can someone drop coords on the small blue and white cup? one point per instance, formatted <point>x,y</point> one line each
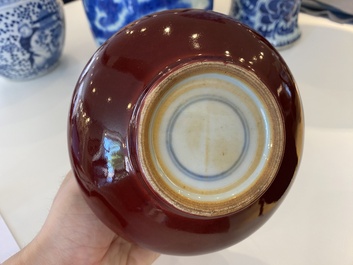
<point>106,17</point>
<point>32,37</point>
<point>276,20</point>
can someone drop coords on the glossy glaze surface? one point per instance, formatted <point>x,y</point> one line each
<point>103,127</point>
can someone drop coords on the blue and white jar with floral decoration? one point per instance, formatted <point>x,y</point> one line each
<point>106,17</point>
<point>32,37</point>
<point>276,20</point>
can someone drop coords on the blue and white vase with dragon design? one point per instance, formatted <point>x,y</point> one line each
<point>32,36</point>
<point>276,20</point>
<point>106,17</point>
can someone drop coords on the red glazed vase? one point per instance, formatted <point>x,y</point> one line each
<point>185,132</point>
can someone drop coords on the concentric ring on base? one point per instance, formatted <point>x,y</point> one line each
<point>210,138</point>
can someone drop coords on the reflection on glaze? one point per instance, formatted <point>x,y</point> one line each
<point>110,161</point>
<point>194,39</point>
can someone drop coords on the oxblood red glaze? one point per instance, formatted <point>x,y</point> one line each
<point>103,117</point>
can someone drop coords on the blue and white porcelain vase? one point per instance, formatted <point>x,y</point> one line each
<point>32,36</point>
<point>276,20</point>
<point>106,17</point>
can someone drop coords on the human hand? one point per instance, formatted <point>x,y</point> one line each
<point>72,234</point>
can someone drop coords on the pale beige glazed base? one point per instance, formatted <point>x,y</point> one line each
<point>210,138</point>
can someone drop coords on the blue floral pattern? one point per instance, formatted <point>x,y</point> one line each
<point>276,20</point>
<point>106,17</point>
<point>31,37</point>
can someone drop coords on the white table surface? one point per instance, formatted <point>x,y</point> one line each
<point>314,225</point>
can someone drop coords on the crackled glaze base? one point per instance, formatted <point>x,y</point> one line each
<point>211,138</point>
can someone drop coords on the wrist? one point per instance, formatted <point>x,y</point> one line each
<point>26,256</point>
<point>37,252</point>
